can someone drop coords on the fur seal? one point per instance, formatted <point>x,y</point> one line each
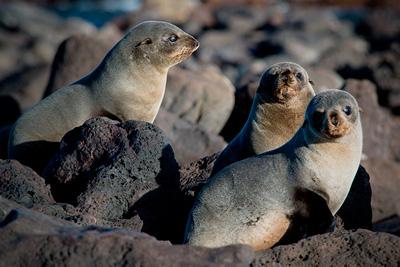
<point>128,84</point>
<point>284,194</point>
<point>277,112</point>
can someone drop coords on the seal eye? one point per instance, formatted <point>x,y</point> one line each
<point>173,38</point>
<point>347,110</point>
<point>299,76</point>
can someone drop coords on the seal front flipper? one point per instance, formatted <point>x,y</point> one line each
<point>311,217</point>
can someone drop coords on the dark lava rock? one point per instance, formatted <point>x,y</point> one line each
<point>30,238</point>
<point>22,185</point>
<point>360,248</point>
<point>9,113</point>
<point>9,110</point>
<point>114,171</point>
<point>356,211</point>
<point>4,136</point>
<point>193,176</point>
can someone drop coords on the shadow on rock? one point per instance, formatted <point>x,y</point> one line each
<point>116,171</point>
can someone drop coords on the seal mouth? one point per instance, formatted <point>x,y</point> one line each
<point>285,87</point>
<point>188,49</point>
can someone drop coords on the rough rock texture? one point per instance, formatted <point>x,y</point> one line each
<point>189,141</point>
<point>22,185</point>
<point>385,183</point>
<point>30,238</point>
<point>360,248</point>
<point>7,205</point>
<point>375,120</point>
<point>204,97</point>
<point>390,225</point>
<point>196,173</point>
<point>115,171</point>
<point>241,41</point>
<point>193,176</point>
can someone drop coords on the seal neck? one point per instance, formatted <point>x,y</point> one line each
<point>337,160</point>
<point>270,125</point>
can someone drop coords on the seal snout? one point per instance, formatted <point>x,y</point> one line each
<point>192,42</point>
<point>335,124</point>
<point>196,44</point>
<point>286,86</point>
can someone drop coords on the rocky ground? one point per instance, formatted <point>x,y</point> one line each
<point>118,193</point>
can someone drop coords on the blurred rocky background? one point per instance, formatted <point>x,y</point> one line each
<point>149,185</point>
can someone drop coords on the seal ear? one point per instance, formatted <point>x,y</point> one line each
<point>146,41</point>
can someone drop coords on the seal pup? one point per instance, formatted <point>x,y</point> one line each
<point>128,84</point>
<point>284,194</point>
<point>277,112</point>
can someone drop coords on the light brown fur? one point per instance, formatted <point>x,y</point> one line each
<point>276,114</point>
<point>279,196</point>
<point>129,84</point>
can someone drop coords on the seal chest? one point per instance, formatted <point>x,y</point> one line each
<point>277,112</point>
<point>128,84</point>
<point>279,196</point>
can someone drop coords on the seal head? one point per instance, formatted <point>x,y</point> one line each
<point>333,118</point>
<point>163,48</point>
<point>282,82</point>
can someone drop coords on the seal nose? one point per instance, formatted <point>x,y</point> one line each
<point>287,78</point>
<point>333,118</point>
<point>196,43</point>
